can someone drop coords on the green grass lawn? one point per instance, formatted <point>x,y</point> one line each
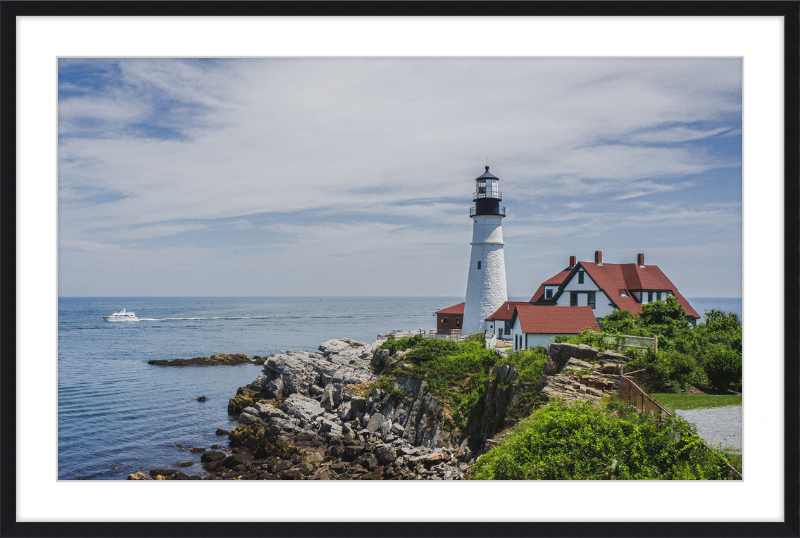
<point>696,401</point>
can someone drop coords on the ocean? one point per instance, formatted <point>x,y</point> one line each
<point>118,415</point>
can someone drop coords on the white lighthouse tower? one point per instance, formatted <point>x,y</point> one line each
<point>486,283</point>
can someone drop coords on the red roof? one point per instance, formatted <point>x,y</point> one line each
<point>506,310</point>
<point>539,295</point>
<point>559,278</point>
<point>614,278</point>
<point>556,280</point>
<point>541,319</point>
<point>455,309</point>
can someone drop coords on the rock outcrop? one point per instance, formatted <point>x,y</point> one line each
<point>219,359</point>
<point>497,399</point>
<point>579,372</point>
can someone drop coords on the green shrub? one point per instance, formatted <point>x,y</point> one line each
<point>667,371</point>
<point>588,337</point>
<point>724,369</point>
<point>683,349</point>
<point>400,345</point>
<point>529,364</point>
<point>456,372</point>
<point>584,442</point>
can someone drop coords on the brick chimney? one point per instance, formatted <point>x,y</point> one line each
<point>598,257</point>
<point>573,261</point>
<point>640,260</point>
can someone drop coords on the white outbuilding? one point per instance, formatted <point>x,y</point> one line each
<point>537,325</point>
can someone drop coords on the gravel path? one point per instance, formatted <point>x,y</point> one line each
<point>719,424</point>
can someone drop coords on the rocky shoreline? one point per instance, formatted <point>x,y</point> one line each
<point>317,416</point>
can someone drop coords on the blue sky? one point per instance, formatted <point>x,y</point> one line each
<point>355,176</point>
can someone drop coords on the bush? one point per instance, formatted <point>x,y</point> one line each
<point>683,349</point>
<point>584,442</point>
<point>456,372</point>
<point>724,369</point>
<point>400,345</point>
<point>529,364</point>
<point>667,371</point>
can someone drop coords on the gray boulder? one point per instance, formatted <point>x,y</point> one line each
<point>358,404</point>
<point>302,407</point>
<point>385,454</point>
<point>331,396</point>
<point>263,414</point>
<point>328,426</point>
<point>609,355</point>
<point>385,428</point>
<point>274,388</point>
<point>379,358</point>
<point>375,422</point>
<point>345,411</point>
<point>397,429</point>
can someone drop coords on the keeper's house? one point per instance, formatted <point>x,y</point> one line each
<point>538,325</point>
<point>605,287</point>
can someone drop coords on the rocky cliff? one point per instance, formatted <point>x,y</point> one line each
<point>322,415</point>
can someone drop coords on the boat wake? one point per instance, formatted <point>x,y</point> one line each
<point>209,318</point>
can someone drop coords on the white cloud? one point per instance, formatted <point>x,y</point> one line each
<point>366,137</point>
<point>645,188</point>
<point>675,134</point>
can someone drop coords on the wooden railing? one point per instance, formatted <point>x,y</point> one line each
<point>635,342</point>
<point>634,396</point>
<point>452,334</point>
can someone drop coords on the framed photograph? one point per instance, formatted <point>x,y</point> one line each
<point>174,164</point>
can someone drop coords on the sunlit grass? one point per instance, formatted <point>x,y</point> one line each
<point>696,401</point>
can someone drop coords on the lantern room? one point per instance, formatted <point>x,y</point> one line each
<point>487,196</point>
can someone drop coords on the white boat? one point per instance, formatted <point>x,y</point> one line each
<point>121,316</point>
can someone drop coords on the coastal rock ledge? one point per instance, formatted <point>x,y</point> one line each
<point>314,416</point>
<point>219,359</point>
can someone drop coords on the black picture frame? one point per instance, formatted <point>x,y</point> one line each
<point>789,10</point>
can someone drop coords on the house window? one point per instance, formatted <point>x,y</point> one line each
<point>573,298</point>
<point>479,264</point>
<point>458,322</point>
<point>649,296</point>
<point>580,277</point>
<point>591,299</point>
<point>658,296</point>
<point>444,320</point>
<point>548,294</point>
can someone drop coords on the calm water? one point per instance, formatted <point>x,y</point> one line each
<point>118,414</point>
<point>119,411</point>
<point>726,304</point>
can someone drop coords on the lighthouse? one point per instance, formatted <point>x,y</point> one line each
<point>486,282</point>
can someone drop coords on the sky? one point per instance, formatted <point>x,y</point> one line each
<point>354,177</point>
